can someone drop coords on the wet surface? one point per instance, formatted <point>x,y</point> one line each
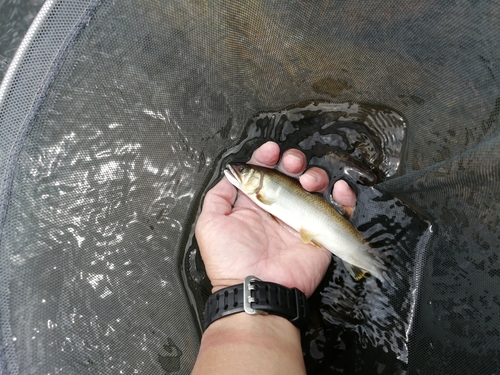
<point>362,145</point>
<point>15,18</point>
<point>130,131</point>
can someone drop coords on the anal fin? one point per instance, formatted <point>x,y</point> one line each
<point>356,272</point>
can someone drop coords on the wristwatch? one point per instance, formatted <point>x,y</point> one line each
<point>255,296</point>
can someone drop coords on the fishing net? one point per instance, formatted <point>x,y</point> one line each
<point>116,117</point>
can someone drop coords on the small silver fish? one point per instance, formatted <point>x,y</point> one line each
<point>309,214</point>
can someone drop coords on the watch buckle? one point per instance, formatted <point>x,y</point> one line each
<point>248,299</point>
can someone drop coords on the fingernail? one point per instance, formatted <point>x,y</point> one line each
<point>309,178</point>
<point>295,156</point>
<point>315,176</point>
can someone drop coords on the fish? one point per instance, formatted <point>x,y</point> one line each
<point>315,219</point>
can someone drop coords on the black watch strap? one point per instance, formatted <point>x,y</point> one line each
<point>255,296</point>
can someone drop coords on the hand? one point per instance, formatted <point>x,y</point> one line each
<point>245,240</point>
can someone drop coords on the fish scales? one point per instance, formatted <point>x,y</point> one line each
<point>309,214</point>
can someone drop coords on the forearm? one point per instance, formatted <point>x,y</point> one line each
<point>250,344</point>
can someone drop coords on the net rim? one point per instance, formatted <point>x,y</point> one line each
<point>21,115</point>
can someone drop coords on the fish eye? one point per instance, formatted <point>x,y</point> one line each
<point>243,169</point>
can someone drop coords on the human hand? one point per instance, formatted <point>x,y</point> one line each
<point>241,240</point>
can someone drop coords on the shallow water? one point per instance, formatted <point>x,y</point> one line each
<point>167,78</point>
<point>363,145</point>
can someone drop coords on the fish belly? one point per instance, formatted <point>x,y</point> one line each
<point>328,232</point>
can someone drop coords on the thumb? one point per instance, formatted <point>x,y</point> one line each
<point>219,200</point>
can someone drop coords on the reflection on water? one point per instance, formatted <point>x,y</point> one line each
<point>96,226</point>
<point>351,320</point>
<point>155,90</point>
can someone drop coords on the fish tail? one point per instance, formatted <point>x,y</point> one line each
<point>380,262</point>
<point>383,260</point>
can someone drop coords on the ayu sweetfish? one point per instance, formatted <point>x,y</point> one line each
<point>316,220</point>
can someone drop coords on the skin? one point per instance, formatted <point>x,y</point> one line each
<point>236,239</point>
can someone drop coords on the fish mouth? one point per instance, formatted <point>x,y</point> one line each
<point>232,175</point>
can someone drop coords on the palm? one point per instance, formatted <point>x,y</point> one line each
<point>244,240</point>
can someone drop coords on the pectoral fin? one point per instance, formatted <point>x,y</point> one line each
<point>308,237</point>
<point>348,211</point>
<point>262,199</point>
<point>345,211</point>
<point>356,272</point>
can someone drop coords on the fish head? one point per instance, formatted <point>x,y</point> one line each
<point>245,177</point>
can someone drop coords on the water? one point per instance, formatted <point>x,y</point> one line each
<point>15,18</point>
<point>356,327</point>
<point>180,80</point>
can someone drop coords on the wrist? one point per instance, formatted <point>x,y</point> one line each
<point>244,326</point>
<point>255,343</point>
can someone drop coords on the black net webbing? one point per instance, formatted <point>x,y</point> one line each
<point>114,116</point>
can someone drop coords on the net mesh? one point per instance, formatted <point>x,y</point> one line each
<point>114,116</point>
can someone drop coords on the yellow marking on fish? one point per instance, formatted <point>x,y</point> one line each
<point>348,211</point>
<point>262,199</point>
<point>356,272</point>
<point>317,244</point>
<point>306,236</point>
<point>359,275</point>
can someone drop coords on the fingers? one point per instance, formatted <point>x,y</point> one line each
<point>343,194</point>
<point>266,155</point>
<point>314,179</point>
<point>293,163</point>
